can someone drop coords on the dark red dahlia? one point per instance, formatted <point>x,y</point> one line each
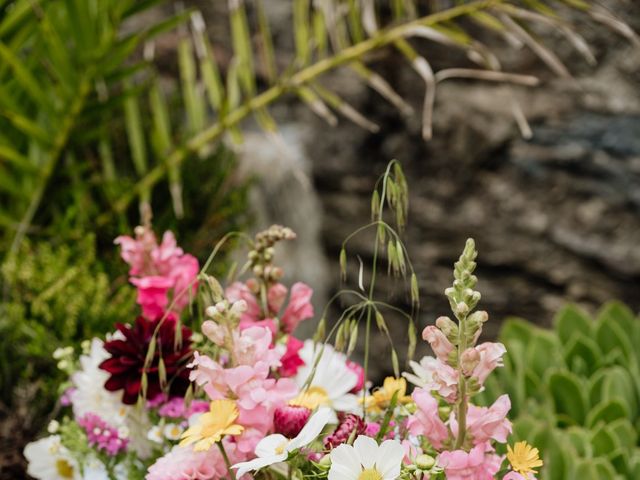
<point>128,355</point>
<point>349,423</point>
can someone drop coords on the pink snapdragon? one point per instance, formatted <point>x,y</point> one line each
<point>487,423</point>
<point>101,435</point>
<point>440,345</point>
<point>426,420</point>
<point>158,270</point>
<point>291,361</point>
<point>480,463</point>
<point>299,307</point>
<point>490,357</point>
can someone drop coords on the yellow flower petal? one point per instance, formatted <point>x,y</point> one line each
<point>213,425</point>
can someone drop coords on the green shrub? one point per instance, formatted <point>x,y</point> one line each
<point>575,391</point>
<point>55,295</point>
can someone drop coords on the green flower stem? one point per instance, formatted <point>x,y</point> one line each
<point>462,385</point>
<point>232,474</point>
<point>345,56</point>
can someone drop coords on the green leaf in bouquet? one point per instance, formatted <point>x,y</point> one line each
<point>558,458</point>
<point>607,412</point>
<point>568,395</point>
<point>582,355</point>
<point>571,320</point>
<point>620,314</point>
<point>619,461</point>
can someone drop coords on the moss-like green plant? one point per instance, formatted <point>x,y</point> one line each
<point>576,391</point>
<point>55,295</point>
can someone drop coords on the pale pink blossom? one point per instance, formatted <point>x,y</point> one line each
<point>299,307</point>
<point>490,358</point>
<point>426,420</point>
<point>485,424</point>
<point>440,345</point>
<point>445,381</point>
<point>478,464</point>
<point>182,463</point>
<point>214,332</point>
<point>239,291</point>
<point>276,296</point>
<point>411,451</point>
<point>517,476</point>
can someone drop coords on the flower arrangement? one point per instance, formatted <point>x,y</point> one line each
<point>246,399</point>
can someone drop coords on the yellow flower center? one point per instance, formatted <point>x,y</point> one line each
<point>65,470</point>
<point>523,458</point>
<point>213,425</point>
<point>313,398</point>
<point>281,448</point>
<point>370,474</point>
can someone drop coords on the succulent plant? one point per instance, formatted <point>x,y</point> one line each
<point>575,391</point>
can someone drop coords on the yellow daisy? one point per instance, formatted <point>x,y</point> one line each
<point>524,458</point>
<point>381,398</point>
<point>213,425</point>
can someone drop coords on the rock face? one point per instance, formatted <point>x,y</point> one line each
<point>556,218</point>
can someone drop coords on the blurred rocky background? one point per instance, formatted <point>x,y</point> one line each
<point>555,217</point>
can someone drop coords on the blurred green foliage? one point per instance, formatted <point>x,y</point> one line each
<point>575,391</point>
<point>59,295</point>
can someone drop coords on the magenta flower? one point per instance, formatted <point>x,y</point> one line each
<point>102,436</point>
<point>291,360</point>
<point>288,420</point>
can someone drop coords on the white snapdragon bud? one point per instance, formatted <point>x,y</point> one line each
<point>239,307</point>
<point>53,426</point>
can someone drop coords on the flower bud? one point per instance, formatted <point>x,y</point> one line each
<point>469,360</point>
<point>53,426</point>
<point>462,309</point>
<point>239,307</point>
<point>449,328</point>
<point>425,462</point>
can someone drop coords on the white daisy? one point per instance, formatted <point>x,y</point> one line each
<point>172,431</point>
<point>276,448</point>
<point>50,460</point>
<point>332,381</point>
<point>365,460</point>
<point>90,396</point>
<point>423,371</point>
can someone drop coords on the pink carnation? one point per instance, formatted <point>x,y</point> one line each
<point>182,463</point>
<point>478,464</point>
<point>299,307</point>
<point>440,345</point>
<point>426,420</point>
<point>288,420</point>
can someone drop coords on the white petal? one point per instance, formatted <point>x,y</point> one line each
<point>345,464</point>
<point>347,403</point>
<point>267,447</point>
<point>390,455</point>
<point>312,429</point>
<point>258,463</point>
<point>367,450</point>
